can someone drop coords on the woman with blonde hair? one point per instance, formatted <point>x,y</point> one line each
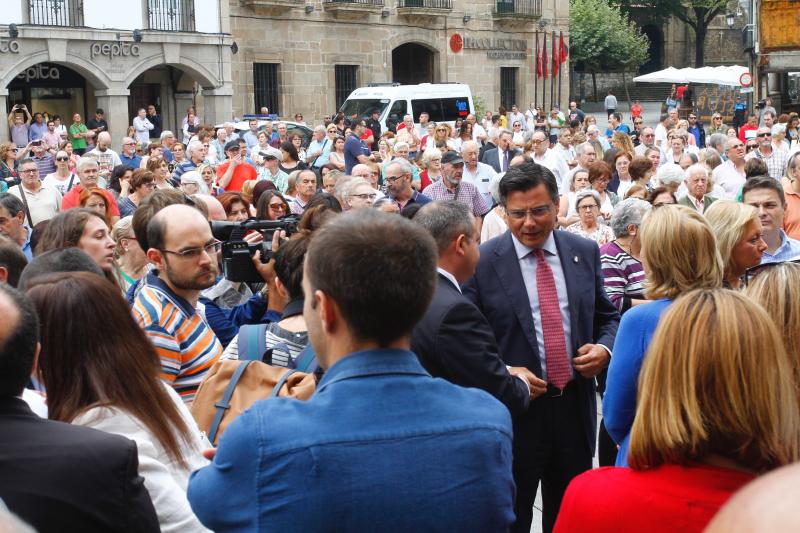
<point>666,235</point>
<point>739,238</point>
<point>622,142</point>
<point>717,406</point>
<point>776,286</point>
<point>432,163</point>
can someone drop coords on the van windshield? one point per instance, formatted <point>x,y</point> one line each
<point>363,107</point>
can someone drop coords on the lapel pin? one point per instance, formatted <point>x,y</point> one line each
<point>576,259</point>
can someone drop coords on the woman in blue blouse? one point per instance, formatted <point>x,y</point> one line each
<point>679,253</point>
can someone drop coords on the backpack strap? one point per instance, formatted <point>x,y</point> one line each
<point>281,382</point>
<point>251,342</point>
<point>306,360</point>
<point>225,403</point>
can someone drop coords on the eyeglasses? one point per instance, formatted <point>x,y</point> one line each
<point>441,129</point>
<point>638,122</point>
<point>536,212</point>
<point>277,207</point>
<point>588,207</point>
<point>30,171</point>
<point>62,158</point>
<point>365,196</point>
<point>211,248</point>
<point>332,131</point>
<point>764,135</point>
<point>752,272</point>
<point>392,179</point>
<point>751,147</point>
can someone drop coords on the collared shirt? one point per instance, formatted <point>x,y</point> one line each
<point>297,205</point>
<point>46,164</point>
<point>700,204</point>
<point>465,193</point>
<point>186,345</point>
<point>251,139</point>
<point>416,197</point>
<point>729,178</point>
<point>776,161</point>
<point>44,203</point>
<point>528,266</point>
<point>134,162</point>
<point>26,246</point>
<point>482,179</point>
<point>791,218</point>
<point>554,159</point>
<point>324,147</point>
<point>36,131</point>
<point>789,249</point>
<point>449,276</point>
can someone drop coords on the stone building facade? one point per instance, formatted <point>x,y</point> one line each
<point>65,57</point>
<point>305,57</point>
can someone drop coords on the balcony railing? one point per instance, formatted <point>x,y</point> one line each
<point>354,3</point>
<point>518,8</point>
<point>171,15</point>
<point>426,4</point>
<point>56,12</point>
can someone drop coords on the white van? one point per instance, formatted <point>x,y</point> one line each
<point>444,102</point>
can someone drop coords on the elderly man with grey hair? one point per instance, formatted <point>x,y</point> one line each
<point>477,173</point>
<point>620,258</point>
<point>195,155</point>
<point>717,142</point>
<point>88,178</point>
<point>586,154</point>
<point>398,175</point>
<point>696,181</point>
<point>670,176</point>
<point>106,158</point>
<point>319,145</point>
<point>357,193</point>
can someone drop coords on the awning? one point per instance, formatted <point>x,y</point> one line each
<point>725,75</point>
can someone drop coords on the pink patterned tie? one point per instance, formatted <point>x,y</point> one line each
<point>555,346</point>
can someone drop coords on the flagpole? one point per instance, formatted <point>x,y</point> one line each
<point>560,59</point>
<point>536,71</point>
<point>552,59</point>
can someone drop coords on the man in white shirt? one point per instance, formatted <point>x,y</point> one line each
<point>661,130</point>
<point>551,158</point>
<point>479,134</point>
<point>530,116</point>
<point>586,155</point>
<point>646,140</point>
<point>565,150</point>
<point>730,174</point>
<point>42,201</point>
<point>106,158</point>
<point>477,173</point>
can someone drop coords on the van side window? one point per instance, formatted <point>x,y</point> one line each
<point>441,109</point>
<point>398,110</point>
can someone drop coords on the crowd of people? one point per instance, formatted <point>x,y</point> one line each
<point>459,295</point>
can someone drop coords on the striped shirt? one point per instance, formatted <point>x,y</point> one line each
<point>624,275</point>
<point>186,345</point>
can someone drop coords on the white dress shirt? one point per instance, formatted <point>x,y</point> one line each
<point>528,266</point>
<point>729,178</point>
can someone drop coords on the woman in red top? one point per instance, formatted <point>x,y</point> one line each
<point>717,406</point>
<point>432,163</point>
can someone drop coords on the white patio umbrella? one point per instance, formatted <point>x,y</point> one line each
<point>723,75</point>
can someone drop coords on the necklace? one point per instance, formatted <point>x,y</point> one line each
<point>626,249</point>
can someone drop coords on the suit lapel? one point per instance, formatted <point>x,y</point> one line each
<point>506,265</point>
<point>567,254</point>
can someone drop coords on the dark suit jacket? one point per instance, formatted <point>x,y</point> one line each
<point>499,292</point>
<point>454,341</point>
<point>490,157</point>
<point>59,477</point>
<point>707,201</point>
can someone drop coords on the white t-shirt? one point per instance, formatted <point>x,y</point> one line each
<point>660,135</point>
<point>52,180</point>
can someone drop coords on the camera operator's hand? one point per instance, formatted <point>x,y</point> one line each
<point>267,270</point>
<point>253,237</point>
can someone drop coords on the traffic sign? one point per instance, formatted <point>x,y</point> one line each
<point>746,79</point>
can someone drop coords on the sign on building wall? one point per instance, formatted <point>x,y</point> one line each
<point>779,25</point>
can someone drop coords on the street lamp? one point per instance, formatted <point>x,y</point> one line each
<point>730,19</point>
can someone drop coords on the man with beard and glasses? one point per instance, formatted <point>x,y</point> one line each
<point>452,187</point>
<point>185,259</point>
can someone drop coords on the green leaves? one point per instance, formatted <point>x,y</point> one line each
<point>603,38</point>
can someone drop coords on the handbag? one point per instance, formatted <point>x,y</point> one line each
<point>232,386</point>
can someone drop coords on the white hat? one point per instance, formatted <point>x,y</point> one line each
<point>192,176</point>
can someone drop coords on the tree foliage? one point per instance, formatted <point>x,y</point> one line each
<point>603,38</point>
<point>697,14</point>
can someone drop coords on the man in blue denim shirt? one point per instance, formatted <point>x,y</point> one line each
<point>381,446</point>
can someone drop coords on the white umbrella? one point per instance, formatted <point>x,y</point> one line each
<point>668,75</point>
<point>724,75</point>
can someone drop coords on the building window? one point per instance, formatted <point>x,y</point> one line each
<point>346,82</point>
<point>508,86</point>
<point>171,15</point>
<point>56,12</point>
<point>265,86</point>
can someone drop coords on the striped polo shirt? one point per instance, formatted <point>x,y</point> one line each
<point>186,345</point>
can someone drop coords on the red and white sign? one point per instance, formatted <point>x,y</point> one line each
<point>746,79</point>
<point>456,43</point>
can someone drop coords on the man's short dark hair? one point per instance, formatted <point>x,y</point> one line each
<point>764,182</point>
<point>18,345</point>
<point>526,176</point>
<point>617,117</point>
<point>445,221</point>
<point>12,259</point>
<point>380,269</point>
<point>156,232</point>
<point>11,203</point>
<point>155,202</point>
<point>62,260</point>
<point>663,116</point>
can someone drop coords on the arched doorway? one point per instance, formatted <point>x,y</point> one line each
<point>655,50</point>
<point>412,63</point>
<point>52,89</point>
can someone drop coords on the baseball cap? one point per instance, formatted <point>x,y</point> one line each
<point>452,157</point>
<point>231,144</point>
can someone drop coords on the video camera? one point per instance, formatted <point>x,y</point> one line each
<point>237,254</point>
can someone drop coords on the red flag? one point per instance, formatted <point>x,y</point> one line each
<point>538,59</point>
<point>563,52</point>
<point>544,56</point>
<point>556,60</point>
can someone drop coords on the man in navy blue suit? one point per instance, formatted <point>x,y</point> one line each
<point>542,293</point>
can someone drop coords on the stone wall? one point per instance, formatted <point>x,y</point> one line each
<point>307,46</point>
